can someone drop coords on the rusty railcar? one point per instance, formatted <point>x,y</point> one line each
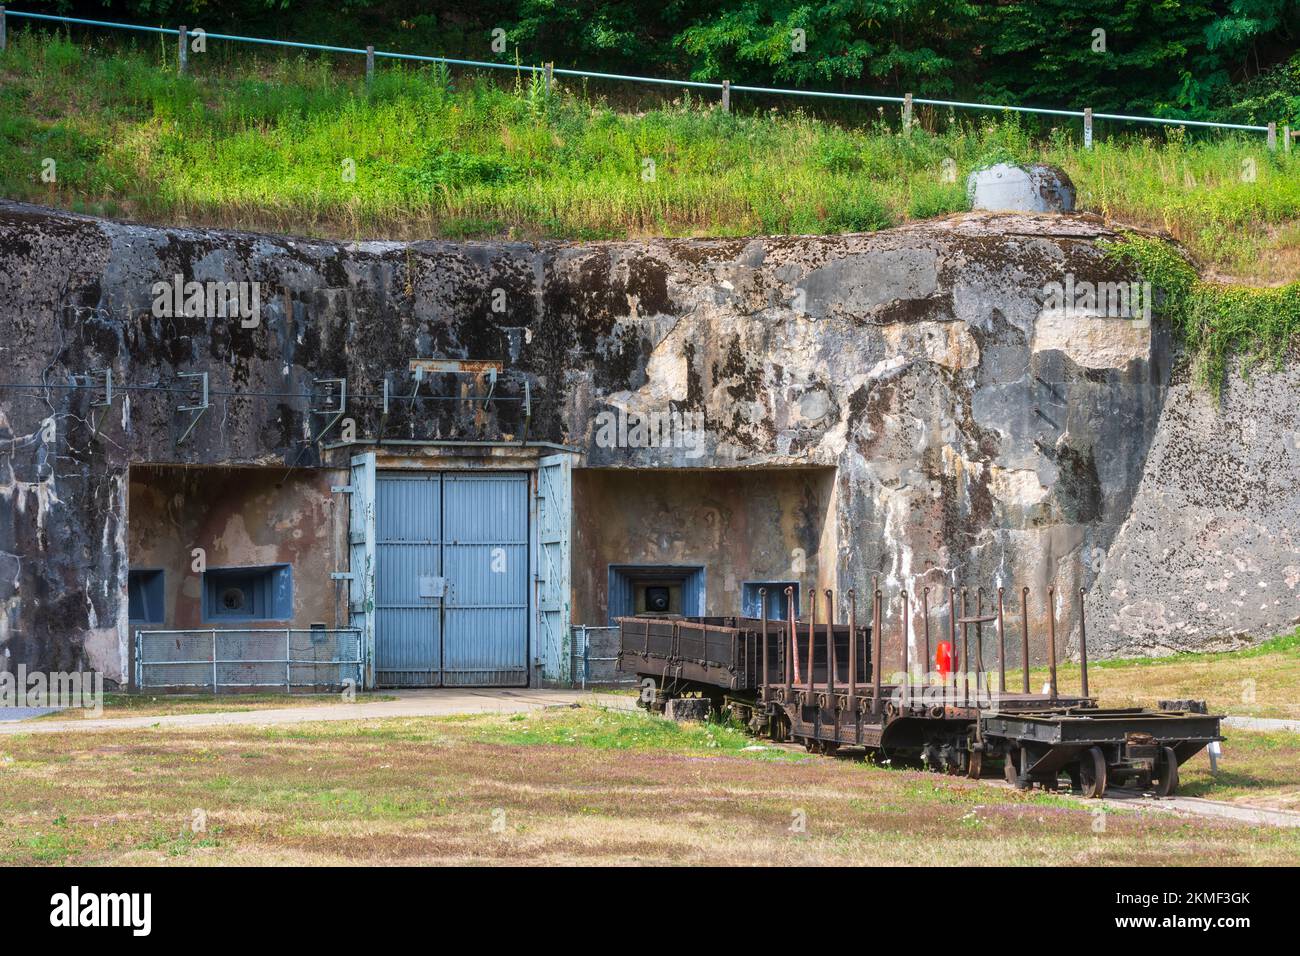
<point>817,684</point>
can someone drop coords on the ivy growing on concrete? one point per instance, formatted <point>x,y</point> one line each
<point>1214,320</point>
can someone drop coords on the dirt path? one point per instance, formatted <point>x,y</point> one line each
<point>422,703</point>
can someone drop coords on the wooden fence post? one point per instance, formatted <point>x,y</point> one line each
<point>183,49</point>
<point>726,96</point>
<point>907,114</point>
<point>1087,128</point>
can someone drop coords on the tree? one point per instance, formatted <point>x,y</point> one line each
<point>893,45</point>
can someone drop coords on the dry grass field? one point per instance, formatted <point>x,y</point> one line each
<point>580,786</point>
<point>1259,681</point>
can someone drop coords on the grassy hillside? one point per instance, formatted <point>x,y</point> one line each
<point>273,143</point>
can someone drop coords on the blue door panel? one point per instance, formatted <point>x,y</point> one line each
<point>451,579</point>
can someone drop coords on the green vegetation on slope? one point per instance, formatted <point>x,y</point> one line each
<point>1215,320</point>
<point>273,144</point>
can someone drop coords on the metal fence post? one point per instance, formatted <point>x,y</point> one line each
<point>214,661</point>
<point>288,657</point>
<point>1087,128</point>
<point>726,96</point>
<point>2,28</point>
<point>370,63</point>
<point>184,57</point>
<point>1272,135</point>
<point>907,114</point>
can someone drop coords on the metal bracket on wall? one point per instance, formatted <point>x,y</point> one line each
<point>198,402</point>
<point>333,404</point>
<point>528,412</point>
<point>100,379</point>
<point>383,414</point>
<point>475,367</point>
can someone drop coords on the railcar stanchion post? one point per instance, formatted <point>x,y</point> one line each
<point>965,651</point>
<point>1051,641</point>
<point>853,652</point>
<point>907,674</point>
<point>812,626</point>
<point>925,614</point>
<point>875,659</point>
<point>762,685</point>
<point>979,638</point>
<point>790,655</point>
<point>1024,639</point>
<point>1083,644</point>
<point>952,640</point>
<point>1002,648</point>
<point>830,643</point>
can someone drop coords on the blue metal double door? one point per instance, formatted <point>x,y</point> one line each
<point>451,579</point>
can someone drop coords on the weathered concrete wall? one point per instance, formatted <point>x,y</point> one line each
<point>976,436</point>
<point>755,525</point>
<point>1209,555</point>
<point>241,517</point>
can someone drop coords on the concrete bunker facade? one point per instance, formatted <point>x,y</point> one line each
<point>463,450</point>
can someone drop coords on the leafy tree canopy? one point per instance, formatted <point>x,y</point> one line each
<point>1188,58</point>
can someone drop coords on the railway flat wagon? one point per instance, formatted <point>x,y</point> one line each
<point>817,684</point>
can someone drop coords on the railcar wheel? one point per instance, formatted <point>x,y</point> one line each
<point>1167,781</point>
<point>1092,773</point>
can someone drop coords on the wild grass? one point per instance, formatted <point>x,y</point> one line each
<point>478,790</point>
<point>1258,681</point>
<point>300,145</point>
